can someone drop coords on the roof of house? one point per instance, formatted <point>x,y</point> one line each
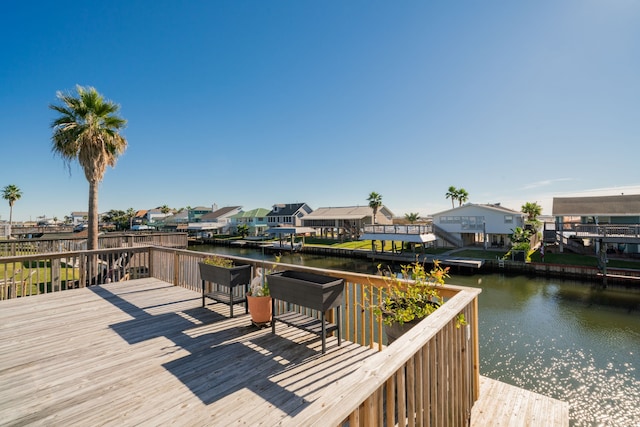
<point>345,212</point>
<point>177,217</point>
<point>285,209</point>
<point>201,209</point>
<point>597,205</point>
<point>220,213</point>
<point>253,213</point>
<point>490,206</point>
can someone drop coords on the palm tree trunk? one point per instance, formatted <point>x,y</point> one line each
<point>92,238</point>
<point>10,220</point>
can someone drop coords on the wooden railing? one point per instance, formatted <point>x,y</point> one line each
<point>608,230</point>
<point>23,276</point>
<point>399,229</point>
<point>42,246</point>
<point>429,376</point>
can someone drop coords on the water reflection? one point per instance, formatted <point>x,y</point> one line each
<point>563,339</point>
<point>566,340</point>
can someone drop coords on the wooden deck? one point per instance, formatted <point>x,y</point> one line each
<point>144,352</point>
<point>502,404</point>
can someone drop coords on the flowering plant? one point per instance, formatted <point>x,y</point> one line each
<point>411,295</point>
<point>218,261</point>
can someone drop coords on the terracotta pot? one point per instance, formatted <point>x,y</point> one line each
<point>260,309</point>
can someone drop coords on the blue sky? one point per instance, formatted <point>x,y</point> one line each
<point>253,103</point>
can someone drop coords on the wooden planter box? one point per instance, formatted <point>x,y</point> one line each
<point>313,291</point>
<point>223,283</point>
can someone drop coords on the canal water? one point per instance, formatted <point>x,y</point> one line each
<point>563,339</point>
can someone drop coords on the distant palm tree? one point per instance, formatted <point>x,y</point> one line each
<point>88,130</point>
<point>463,196</point>
<point>452,193</point>
<point>131,213</point>
<point>375,202</point>
<point>165,209</point>
<point>243,230</point>
<point>11,193</point>
<point>412,217</point>
<point>533,210</point>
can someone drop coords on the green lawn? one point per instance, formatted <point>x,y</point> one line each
<point>552,258</point>
<point>585,260</point>
<point>364,244</point>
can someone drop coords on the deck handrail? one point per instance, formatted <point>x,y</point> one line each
<point>59,271</point>
<point>15,247</point>
<point>435,364</point>
<point>399,229</point>
<point>607,230</point>
<point>388,386</point>
<point>430,374</point>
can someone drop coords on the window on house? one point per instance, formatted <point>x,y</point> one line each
<point>508,219</point>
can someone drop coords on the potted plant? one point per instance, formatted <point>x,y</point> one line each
<point>410,297</point>
<point>224,276</point>
<point>259,300</point>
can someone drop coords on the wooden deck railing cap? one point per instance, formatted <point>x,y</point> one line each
<point>343,397</point>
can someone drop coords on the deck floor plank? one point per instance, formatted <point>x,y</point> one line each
<point>501,404</point>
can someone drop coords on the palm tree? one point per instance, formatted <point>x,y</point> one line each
<point>131,213</point>
<point>463,196</point>
<point>88,130</point>
<point>375,201</point>
<point>452,193</point>
<point>533,210</point>
<point>165,209</point>
<point>243,230</point>
<point>412,217</point>
<point>11,193</point>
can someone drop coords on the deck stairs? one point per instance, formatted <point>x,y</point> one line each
<point>447,237</point>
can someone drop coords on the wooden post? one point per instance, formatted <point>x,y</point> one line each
<point>476,351</point>
<point>176,268</point>
<point>602,260</point>
<point>55,274</point>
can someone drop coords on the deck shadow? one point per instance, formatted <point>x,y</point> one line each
<point>224,356</point>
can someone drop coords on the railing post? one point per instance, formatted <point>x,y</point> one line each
<point>82,264</point>
<point>176,268</point>
<point>476,351</point>
<point>150,261</point>
<point>55,274</point>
